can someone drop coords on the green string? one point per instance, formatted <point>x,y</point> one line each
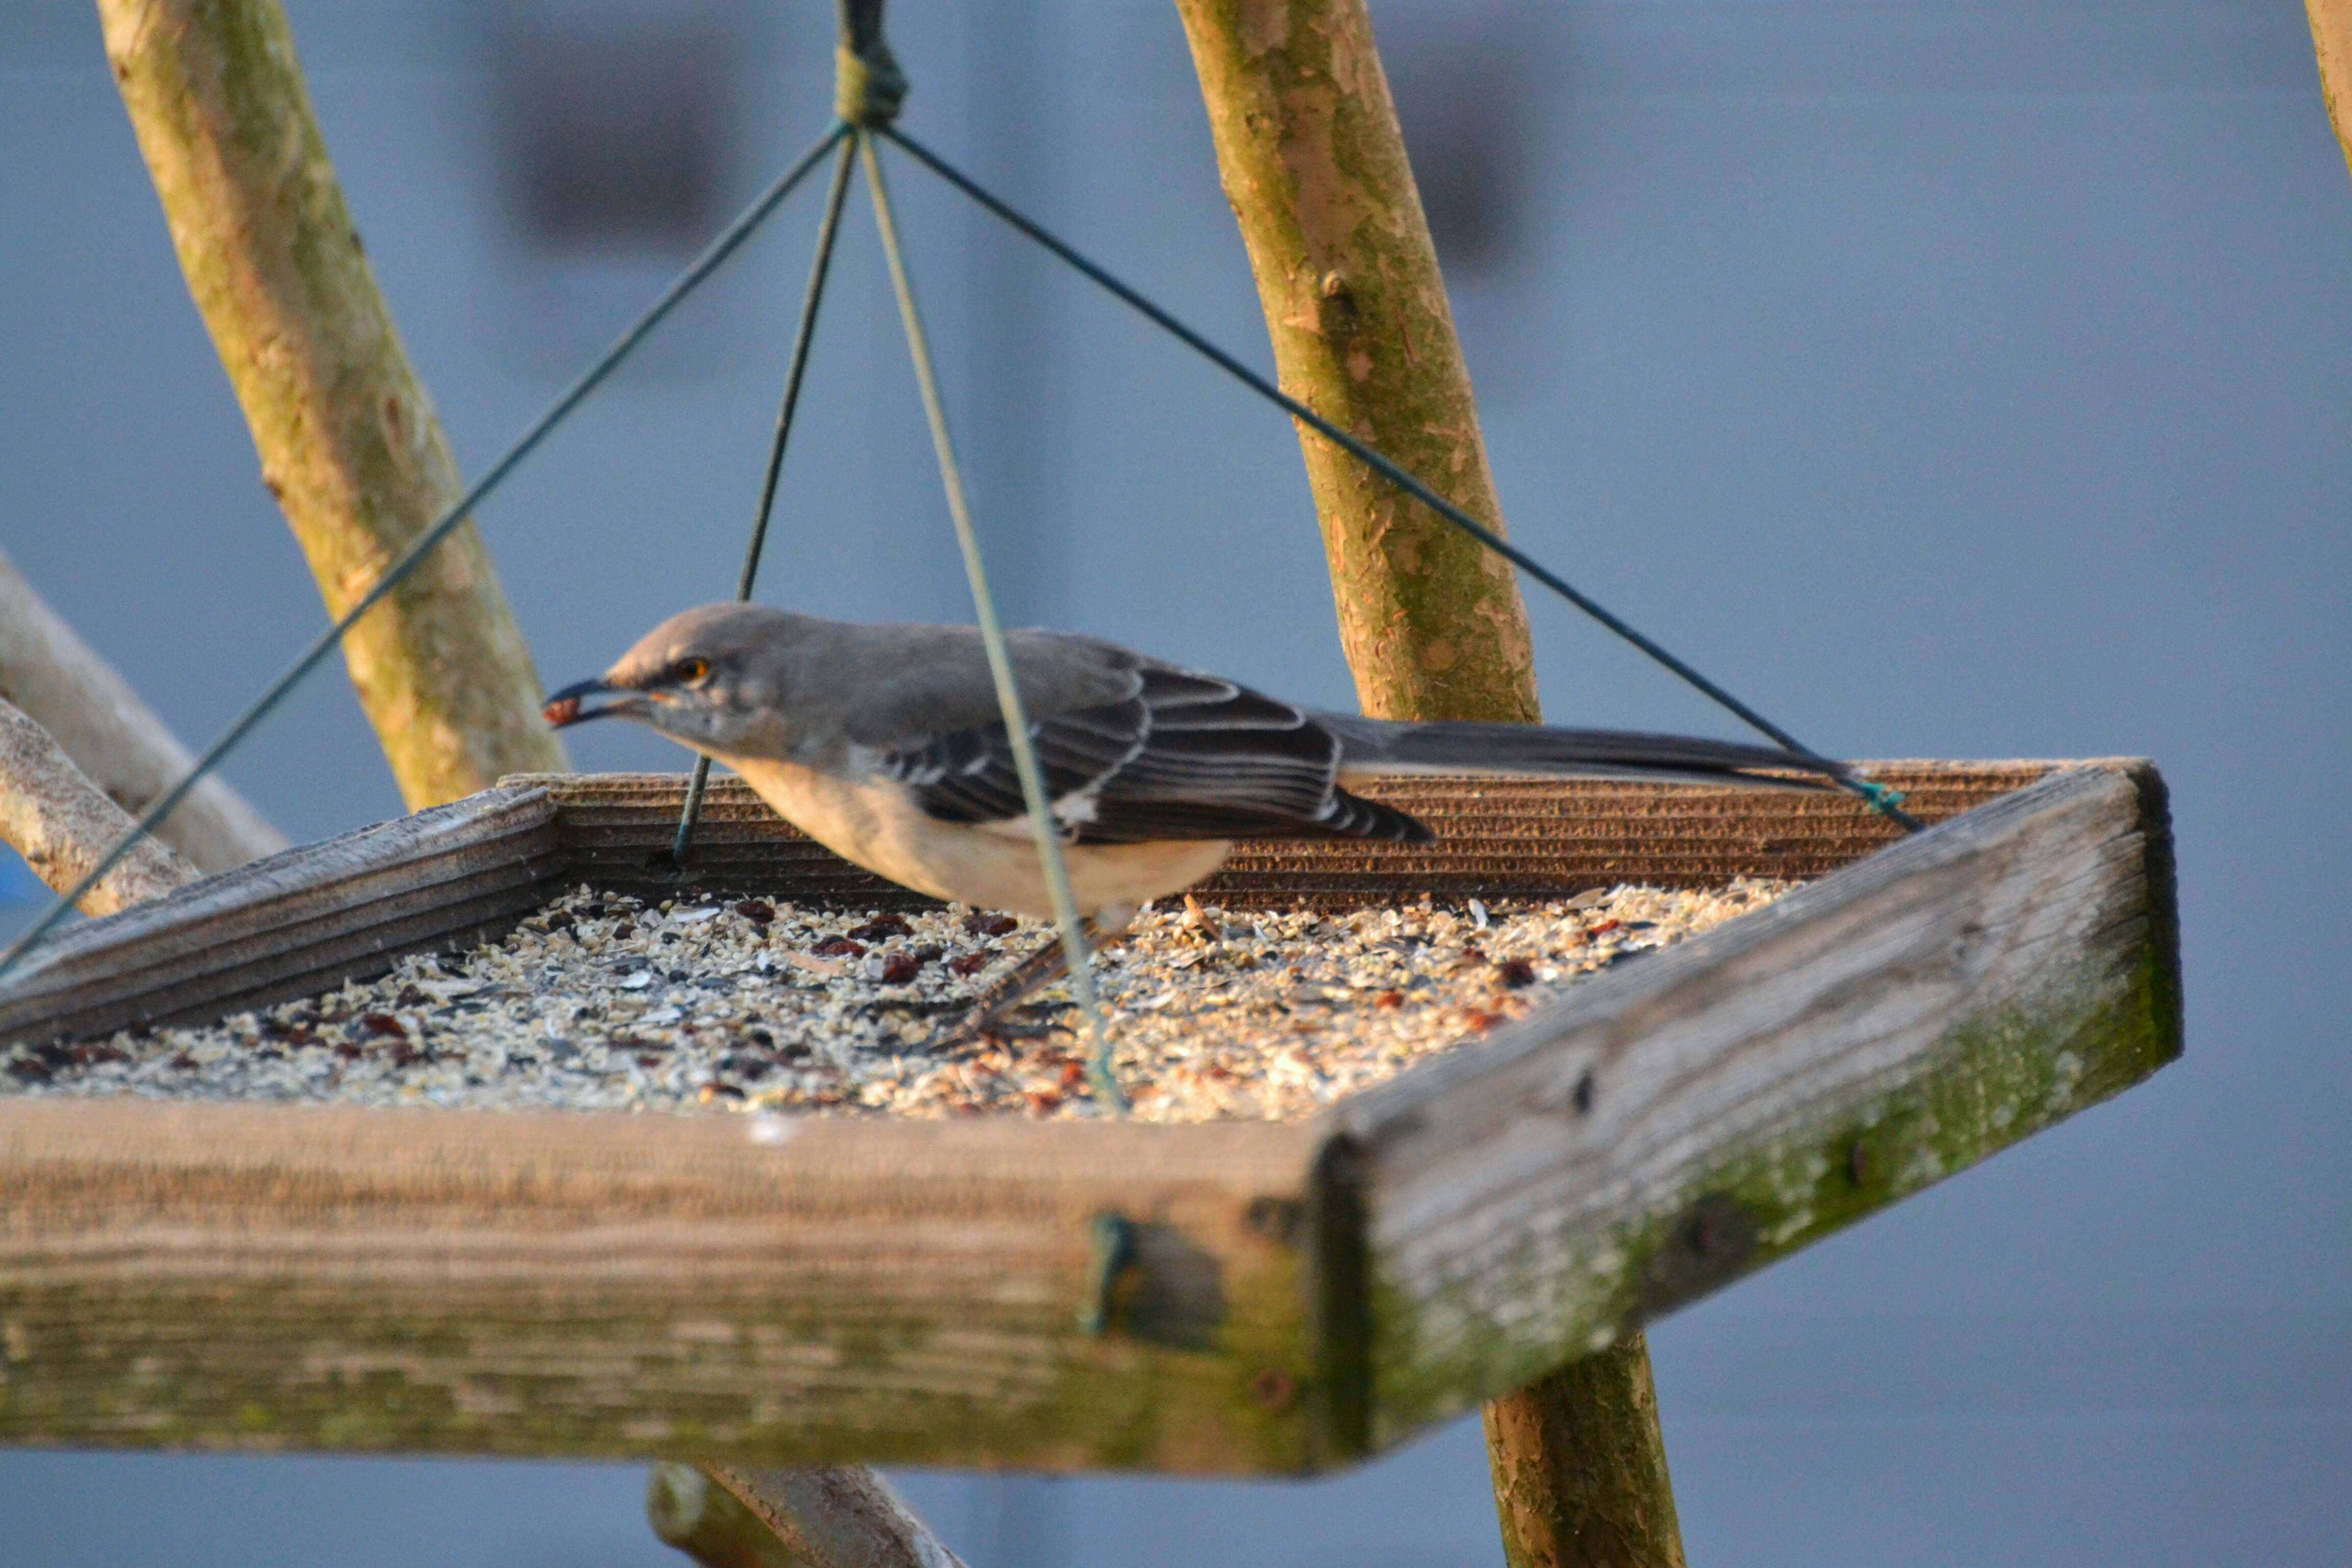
<point>730,241</point>
<point>1878,798</point>
<point>870,89</point>
<point>803,335</point>
<point>1066,915</point>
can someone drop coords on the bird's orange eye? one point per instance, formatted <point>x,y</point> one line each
<point>691,671</point>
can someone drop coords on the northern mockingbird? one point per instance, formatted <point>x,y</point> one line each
<point>885,743</point>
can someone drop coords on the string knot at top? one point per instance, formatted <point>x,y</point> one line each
<point>1880,798</point>
<point>867,85</point>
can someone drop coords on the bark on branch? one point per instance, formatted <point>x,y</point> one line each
<point>349,444</point>
<point>91,712</point>
<point>828,1516</point>
<point>52,815</point>
<point>1313,164</point>
<point>2331,39</point>
<point>1580,1467</point>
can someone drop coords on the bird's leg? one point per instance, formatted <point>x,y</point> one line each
<point>1029,976</point>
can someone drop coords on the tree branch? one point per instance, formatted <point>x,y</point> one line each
<point>2331,40</point>
<point>828,1516</point>
<point>1313,164</point>
<point>52,815</point>
<point>349,443</point>
<point>113,737</point>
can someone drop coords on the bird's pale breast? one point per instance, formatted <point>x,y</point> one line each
<point>877,824</point>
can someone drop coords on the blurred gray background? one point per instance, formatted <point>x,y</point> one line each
<point>1957,379</point>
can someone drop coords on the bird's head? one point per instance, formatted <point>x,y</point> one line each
<point>709,678</point>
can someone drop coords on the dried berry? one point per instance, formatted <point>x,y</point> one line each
<point>981,922</point>
<point>1516,973</point>
<point>839,947</point>
<point>896,968</point>
<point>969,963</point>
<point>757,911</point>
<point>383,1023</point>
<point>881,927</point>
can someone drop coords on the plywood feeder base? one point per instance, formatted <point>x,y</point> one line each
<point>1292,1296</point>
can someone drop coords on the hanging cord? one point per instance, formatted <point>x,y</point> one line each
<point>1879,797</point>
<point>729,241</point>
<point>1074,947</point>
<point>802,336</point>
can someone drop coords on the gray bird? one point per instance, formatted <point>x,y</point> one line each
<point>885,744</point>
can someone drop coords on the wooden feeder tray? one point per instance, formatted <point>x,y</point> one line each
<point>1284,1296</point>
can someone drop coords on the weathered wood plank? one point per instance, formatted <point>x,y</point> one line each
<point>1716,1107</point>
<point>1497,837</point>
<point>748,1291</point>
<point>281,1277</point>
<point>293,923</point>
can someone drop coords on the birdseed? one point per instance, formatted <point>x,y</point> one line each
<point>599,1002</point>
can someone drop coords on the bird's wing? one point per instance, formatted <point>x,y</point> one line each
<point>1181,756</point>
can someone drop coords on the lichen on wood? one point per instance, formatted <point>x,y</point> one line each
<point>349,443</point>
<point>1580,1467</point>
<point>1313,164</point>
<point>1862,1039</point>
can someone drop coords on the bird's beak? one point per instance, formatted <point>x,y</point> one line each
<point>563,709</point>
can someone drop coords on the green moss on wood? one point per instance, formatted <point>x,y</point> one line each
<point>254,1366</point>
<point>1994,1079</point>
<point>1580,1467</point>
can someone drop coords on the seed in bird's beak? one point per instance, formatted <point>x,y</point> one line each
<point>561,712</point>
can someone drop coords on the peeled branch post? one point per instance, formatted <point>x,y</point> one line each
<point>2331,38</point>
<point>828,1516</point>
<point>1580,1467</point>
<point>113,737</point>
<point>1313,165</point>
<point>52,815</point>
<point>349,443</point>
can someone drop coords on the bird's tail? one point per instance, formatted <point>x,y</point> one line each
<point>1375,748</point>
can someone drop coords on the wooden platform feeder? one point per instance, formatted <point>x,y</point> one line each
<point>828,1289</point>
